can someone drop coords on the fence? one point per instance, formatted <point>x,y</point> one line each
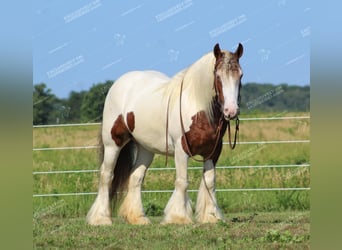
<point>189,168</point>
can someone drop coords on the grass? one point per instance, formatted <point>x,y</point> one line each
<point>64,216</point>
<point>286,230</point>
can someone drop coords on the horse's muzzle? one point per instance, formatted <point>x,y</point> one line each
<point>231,115</point>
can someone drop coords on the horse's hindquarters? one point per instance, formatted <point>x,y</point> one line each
<point>137,102</point>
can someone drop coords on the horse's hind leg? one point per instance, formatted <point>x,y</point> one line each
<point>100,212</point>
<point>131,209</point>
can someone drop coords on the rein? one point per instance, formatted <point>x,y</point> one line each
<point>217,133</point>
<point>237,122</point>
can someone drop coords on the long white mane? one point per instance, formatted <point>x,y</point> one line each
<point>198,84</point>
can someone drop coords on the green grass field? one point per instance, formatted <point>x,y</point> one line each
<point>276,230</point>
<point>60,221</point>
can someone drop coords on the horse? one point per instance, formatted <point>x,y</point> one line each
<point>147,113</point>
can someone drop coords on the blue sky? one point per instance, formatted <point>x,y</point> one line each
<point>79,43</point>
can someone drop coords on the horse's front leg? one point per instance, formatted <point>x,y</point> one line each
<point>207,210</point>
<point>178,210</point>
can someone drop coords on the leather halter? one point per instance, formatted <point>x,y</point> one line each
<point>218,129</point>
<point>217,133</point>
<point>218,95</point>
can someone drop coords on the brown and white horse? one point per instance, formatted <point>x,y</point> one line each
<point>146,112</point>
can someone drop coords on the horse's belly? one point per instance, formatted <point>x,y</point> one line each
<point>150,132</point>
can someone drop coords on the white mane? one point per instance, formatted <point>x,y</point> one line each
<point>198,84</point>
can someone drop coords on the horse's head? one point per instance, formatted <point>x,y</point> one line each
<point>228,74</point>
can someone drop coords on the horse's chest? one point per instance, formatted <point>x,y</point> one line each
<point>203,138</point>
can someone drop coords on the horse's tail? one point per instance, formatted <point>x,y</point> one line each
<point>122,171</point>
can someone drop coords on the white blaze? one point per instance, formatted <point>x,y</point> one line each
<point>230,89</point>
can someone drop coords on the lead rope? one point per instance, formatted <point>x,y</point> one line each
<point>217,134</point>
<point>232,146</point>
<point>237,122</point>
<point>218,131</point>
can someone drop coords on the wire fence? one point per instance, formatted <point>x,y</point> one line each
<point>163,169</point>
<point>306,165</point>
<point>241,119</point>
<point>191,191</point>
<point>224,143</point>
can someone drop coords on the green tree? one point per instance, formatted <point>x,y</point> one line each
<point>73,106</point>
<point>274,98</point>
<point>60,113</point>
<point>93,101</point>
<point>43,104</point>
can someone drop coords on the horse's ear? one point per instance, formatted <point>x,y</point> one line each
<point>239,51</point>
<point>217,51</point>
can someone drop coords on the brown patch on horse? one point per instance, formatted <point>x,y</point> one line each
<point>120,132</point>
<point>218,89</point>
<point>130,121</point>
<point>202,135</point>
<point>219,55</point>
<point>228,58</point>
<point>234,66</point>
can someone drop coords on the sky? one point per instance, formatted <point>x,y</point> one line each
<point>77,44</point>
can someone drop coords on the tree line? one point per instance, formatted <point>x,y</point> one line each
<point>87,106</point>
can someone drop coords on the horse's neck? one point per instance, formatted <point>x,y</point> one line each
<point>199,83</point>
<point>202,71</point>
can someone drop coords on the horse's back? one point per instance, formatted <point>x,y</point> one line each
<point>140,94</point>
<point>132,85</point>
<point>137,80</point>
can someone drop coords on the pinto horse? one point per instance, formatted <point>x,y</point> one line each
<point>146,112</point>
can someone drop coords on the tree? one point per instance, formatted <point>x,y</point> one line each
<point>43,104</point>
<point>93,101</point>
<point>87,106</point>
<point>60,112</point>
<point>274,98</point>
<point>74,104</point>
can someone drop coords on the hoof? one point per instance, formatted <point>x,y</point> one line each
<point>177,220</point>
<point>142,220</point>
<point>211,218</point>
<point>100,221</point>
